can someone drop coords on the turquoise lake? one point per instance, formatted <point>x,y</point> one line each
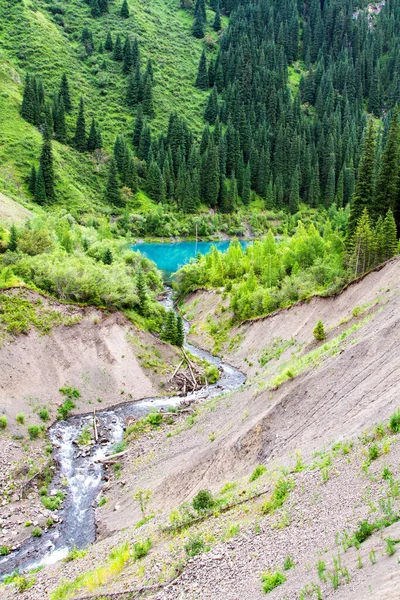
<point>171,256</point>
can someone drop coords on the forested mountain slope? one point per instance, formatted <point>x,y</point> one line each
<point>275,106</point>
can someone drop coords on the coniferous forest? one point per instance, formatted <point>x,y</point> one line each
<point>274,115</point>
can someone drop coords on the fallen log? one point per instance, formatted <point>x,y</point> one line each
<point>112,457</point>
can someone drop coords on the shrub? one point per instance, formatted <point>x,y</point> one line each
<point>155,419</point>
<point>34,431</point>
<point>364,531</point>
<point>102,501</point>
<point>258,471</point>
<point>53,502</point>
<point>65,408</point>
<point>23,583</point>
<point>195,545</point>
<point>394,423</point>
<point>4,550</point>
<point>36,532</point>
<point>282,489</point>
<point>75,553</point>
<point>319,332</point>
<point>288,564</point>
<point>373,452</point>
<point>387,474</point>
<point>3,422</point>
<point>203,500</point>
<point>118,447</point>
<point>20,418</point>
<point>44,414</point>
<point>272,580</point>
<point>141,549</point>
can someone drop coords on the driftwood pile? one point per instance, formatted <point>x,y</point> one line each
<point>186,375</point>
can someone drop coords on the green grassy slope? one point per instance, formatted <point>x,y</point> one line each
<point>31,41</point>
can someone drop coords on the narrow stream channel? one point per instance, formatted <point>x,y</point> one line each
<point>84,475</point>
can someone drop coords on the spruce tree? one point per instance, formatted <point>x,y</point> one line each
<point>117,53</point>
<point>154,182</point>
<point>137,130</point>
<point>124,10</point>
<point>202,81</point>
<point>170,328</point>
<point>211,111</point>
<point>217,20</point>
<point>141,290</point>
<point>132,92</point>
<point>107,257</point>
<point>180,332</point>
<point>30,108</point>
<point>92,139</point>
<point>13,239</point>
<point>47,169</point>
<point>319,331</point>
<point>60,126</point>
<point>362,246</point>
<point>389,231</point>
<point>108,45</point>
<point>32,179</point>
<point>246,185</point>
<point>132,180</point>
<point>127,54</point>
<point>147,101</point>
<point>65,93</point>
<point>80,141</point>
<point>198,25</point>
<point>113,194</point>
<point>365,185</point>
<point>40,189</point>
<point>388,178</point>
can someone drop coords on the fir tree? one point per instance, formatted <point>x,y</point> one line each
<point>362,246</point>
<point>46,168</point>
<point>60,126</point>
<point>246,185</point>
<point>147,101</point>
<point>202,81</point>
<point>108,45</point>
<point>117,53</point>
<point>217,19</point>
<point>319,331</point>
<point>92,139</point>
<point>107,257</point>
<point>141,290</point>
<point>198,25</point>
<point>211,111</point>
<point>40,189</point>
<point>390,245</point>
<point>30,109</point>
<point>169,333</point>
<point>132,92</point>
<point>65,93</point>
<point>127,54</point>
<point>132,176</point>
<point>80,141</point>
<point>365,185</point>
<point>137,130</point>
<point>388,178</point>
<point>13,239</point>
<point>124,10</point>
<point>154,183</point>
<point>180,332</point>
<point>113,194</point>
<point>32,180</point>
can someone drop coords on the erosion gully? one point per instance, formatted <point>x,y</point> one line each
<point>82,472</point>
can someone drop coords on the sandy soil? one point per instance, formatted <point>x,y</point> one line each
<point>12,211</point>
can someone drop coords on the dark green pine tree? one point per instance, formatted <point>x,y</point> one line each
<point>64,93</point>
<point>47,169</point>
<point>132,180</point>
<point>124,10</point>
<point>137,130</point>
<point>147,100</point>
<point>389,231</point>
<point>246,185</point>
<point>198,25</point>
<point>101,48</point>
<point>180,332</point>
<point>211,112</point>
<point>113,194</point>
<point>118,53</point>
<point>202,81</point>
<point>40,189</point>
<point>107,257</point>
<point>169,333</point>
<point>127,60</point>
<point>60,126</point>
<point>132,92</point>
<point>155,183</point>
<point>388,178</point>
<point>30,107</point>
<point>141,290</point>
<point>32,180</point>
<point>13,239</point>
<point>217,20</point>
<point>365,184</point>
<point>119,152</point>
<point>210,176</point>
<point>92,139</point>
<point>80,141</point>
<point>108,45</point>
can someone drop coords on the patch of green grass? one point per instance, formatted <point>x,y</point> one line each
<point>258,471</point>
<point>53,502</point>
<point>74,553</point>
<point>280,494</point>
<point>195,545</point>
<point>44,414</point>
<point>274,350</point>
<point>37,532</point>
<point>20,418</point>
<point>272,580</point>
<point>3,421</point>
<point>4,550</point>
<point>141,549</point>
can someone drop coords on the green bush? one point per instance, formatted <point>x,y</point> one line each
<point>4,550</point>
<point>394,423</point>
<point>53,502</point>
<point>65,408</point>
<point>155,419</point>
<point>373,452</point>
<point>34,431</point>
<point>195,545</point>
<point>203,500</point>
<point>319,332</point>
<point>36,532</point>
<point>20,418</point>
<point>272,580</point>
<point>364,531</point>
<point>281,492</point>
<point>141,549</point>
<point>44,414</point>
<point>258,471</point>
<point>3,422</point>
